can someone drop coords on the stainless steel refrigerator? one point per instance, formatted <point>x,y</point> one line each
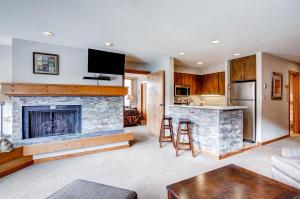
<point>244,94</point>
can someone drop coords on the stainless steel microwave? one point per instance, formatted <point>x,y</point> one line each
<point>182,90</point>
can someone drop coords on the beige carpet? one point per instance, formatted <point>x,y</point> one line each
<point>144,168</point>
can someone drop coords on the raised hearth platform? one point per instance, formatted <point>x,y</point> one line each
<point>27,155</point>
<point>64,137</point>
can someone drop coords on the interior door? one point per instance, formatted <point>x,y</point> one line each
<point>144,101</point>
<point>294,100</point>
<point>155,101</point>
<point>296,103</point>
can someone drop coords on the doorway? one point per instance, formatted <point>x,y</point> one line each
<point>293,102</point>
<point>135,110</point>
<point>144,102</point>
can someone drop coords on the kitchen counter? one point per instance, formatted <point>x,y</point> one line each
<point>216,129</point>
<point>221,107</point>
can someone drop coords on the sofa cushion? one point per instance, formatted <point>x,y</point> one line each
<point>81,189</point>
<point>281,177</point>
<point>291,152</point>
<point>288,166</point>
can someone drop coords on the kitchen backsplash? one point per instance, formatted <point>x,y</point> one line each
<point>202,100</point>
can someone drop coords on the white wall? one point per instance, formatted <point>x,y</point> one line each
<point>5,63</point>
<point>73,64</point>
<point>213,69</point>
<point>6,76</point>
<point>167,65</point>
<point>200,71</point>
<point>272,114</point>
<point>187,69</point>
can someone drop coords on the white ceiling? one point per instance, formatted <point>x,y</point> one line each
<point>149,29</point>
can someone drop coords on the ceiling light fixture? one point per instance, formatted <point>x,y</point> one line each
<point>200,63</point>
<point>108,44</point>
<point>215,41</point>
<point>181,53</point>
<point>49,34</point>
<point>236,54</point>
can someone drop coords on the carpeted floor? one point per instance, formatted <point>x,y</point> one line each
<point>144,168</point>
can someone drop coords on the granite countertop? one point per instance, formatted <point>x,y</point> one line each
<point>220,107</point>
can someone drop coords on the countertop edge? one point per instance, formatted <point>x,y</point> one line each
<point>212,107</point>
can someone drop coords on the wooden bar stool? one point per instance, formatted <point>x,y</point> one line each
<point>163,128</point>
<point>184,132</point>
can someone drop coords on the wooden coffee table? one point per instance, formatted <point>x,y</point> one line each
<point>231,182</point>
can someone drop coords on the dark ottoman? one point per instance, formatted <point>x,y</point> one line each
<point>81,189</point>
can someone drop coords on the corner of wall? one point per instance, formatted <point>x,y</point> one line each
<point>259,90</point>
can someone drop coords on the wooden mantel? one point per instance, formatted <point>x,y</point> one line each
<point>25,89</point>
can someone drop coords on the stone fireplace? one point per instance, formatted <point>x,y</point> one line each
<point>39,118</point>
<point>46,121</point>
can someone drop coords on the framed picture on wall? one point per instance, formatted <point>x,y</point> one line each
<point>277,86</point>
<point>44,63</point>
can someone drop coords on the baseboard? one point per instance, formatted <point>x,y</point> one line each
<point>273,140</point>
<point>230,154</point>
<point>66,156</point>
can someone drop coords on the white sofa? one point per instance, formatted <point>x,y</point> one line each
<point>286,167</point>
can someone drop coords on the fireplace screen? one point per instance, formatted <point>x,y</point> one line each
<point>45,121</point>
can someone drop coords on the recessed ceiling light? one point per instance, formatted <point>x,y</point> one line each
<point>182,53</point>
<point>108,44</point>
<point>49,34</point>
<point>200,63</point>
<point>215,41</point>
<point>236,54</point>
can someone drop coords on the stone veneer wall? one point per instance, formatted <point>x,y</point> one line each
<point>98,113</point>
<point>217,131</point>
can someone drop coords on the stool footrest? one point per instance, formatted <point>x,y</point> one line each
<point>184,131</point>
<point>166,124</point>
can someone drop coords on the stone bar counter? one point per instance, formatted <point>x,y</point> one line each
<point>215,129</point>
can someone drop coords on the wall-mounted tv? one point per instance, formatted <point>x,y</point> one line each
<point>105,62</point>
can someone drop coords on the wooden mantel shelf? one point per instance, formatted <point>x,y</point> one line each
<point>25,89</point>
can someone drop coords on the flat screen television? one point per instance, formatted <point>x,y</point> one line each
<point>105,62</point>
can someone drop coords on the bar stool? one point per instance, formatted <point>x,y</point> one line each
<point>163,128</point>
<point>184,132</point>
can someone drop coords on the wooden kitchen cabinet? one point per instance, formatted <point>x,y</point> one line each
<point>243,69</point>
<point>188,80</point>
<point>213,83</point>
<point>210,83</point>
<point>222,83</point>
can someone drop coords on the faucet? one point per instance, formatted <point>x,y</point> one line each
<point>189,101</point>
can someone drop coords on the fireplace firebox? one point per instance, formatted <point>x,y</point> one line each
<point>46,121</point>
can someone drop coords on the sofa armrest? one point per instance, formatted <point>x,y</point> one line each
<point>291,152</point>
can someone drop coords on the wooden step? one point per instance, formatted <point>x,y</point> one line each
<point>15,165</point>
<point>9,156</point>
<point>54,146</point>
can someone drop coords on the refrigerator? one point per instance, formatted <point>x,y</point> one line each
<point>244,94</point>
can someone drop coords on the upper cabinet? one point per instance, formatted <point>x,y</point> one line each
<point>222,83</point>
<point>188,80</point>
<point>210,83</point>
<point>243,69</point>
<point>202,84</point>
